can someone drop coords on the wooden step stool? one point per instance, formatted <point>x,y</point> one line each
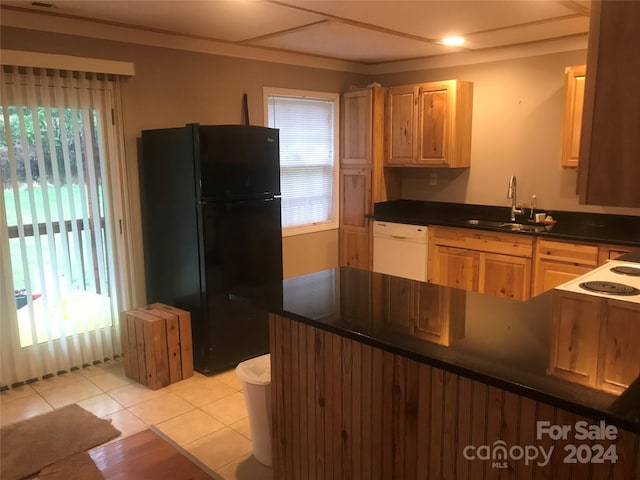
<point>156,345</point>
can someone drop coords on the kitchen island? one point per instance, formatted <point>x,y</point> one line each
<point>357,394</point>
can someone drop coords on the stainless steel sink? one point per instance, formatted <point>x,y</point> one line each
<point>513,227</point>
<point>485,223</point>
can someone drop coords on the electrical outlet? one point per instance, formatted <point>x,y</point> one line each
<point>433,179</point>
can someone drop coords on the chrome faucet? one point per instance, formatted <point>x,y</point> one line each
<point>511,193</point>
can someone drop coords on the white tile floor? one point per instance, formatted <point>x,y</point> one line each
<point>206,416</point>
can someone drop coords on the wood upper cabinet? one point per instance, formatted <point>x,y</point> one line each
<point>558,262</point>
<point>610,144</point>
<point>401,118</point>
<point>495,263</point>
<point>430,124</point>
<point>594,341</point>
<point>357,127</point>
<point>574,79</point>
<point>363,178</point>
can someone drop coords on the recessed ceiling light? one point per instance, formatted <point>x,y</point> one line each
<point>453,41</point>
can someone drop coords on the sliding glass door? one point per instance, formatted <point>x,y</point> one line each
<point>54,144</point>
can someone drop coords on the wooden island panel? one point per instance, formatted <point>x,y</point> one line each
<point>346,410</point>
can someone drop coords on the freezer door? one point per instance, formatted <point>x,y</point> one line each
<point>242,248</point>
<point>238,162</point>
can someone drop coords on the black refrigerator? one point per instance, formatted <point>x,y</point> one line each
<point>210,200</point>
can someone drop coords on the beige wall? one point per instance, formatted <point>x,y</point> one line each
<point>517,130</point>
<point>174,87</point>
<point>309,253</point>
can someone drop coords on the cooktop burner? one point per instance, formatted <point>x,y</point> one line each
<point>610,288</point>
<point>626,270</point>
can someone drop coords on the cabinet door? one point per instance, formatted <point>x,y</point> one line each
<point>558,262</point>
<point>354,249</point>
<point>356,127</point>
<point>619,355</point>
<point>549,274</point>
<point>575,334</point>
<point>455,267</point>
<point>505,276</point>
<point>574,80</point>
<point>440,313</point>
<point>610,145</point>
<point>355,197</point>
<point>434,125</point>
<point>355,187</point>
<point>398,308</point>
<point>401,124</point>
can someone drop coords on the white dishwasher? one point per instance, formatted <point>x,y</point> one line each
<point>400,250</point>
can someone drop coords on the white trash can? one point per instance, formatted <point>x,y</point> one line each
<point>255,374</point>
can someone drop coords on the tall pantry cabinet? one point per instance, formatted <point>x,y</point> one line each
<point>363,177</point>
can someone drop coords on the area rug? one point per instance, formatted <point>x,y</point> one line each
<point>77,467</point>
<point>30,445</point>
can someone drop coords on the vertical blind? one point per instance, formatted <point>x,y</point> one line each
<point>307,158</point>
<point>58,231</point>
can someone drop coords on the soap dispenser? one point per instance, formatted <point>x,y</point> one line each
<point>532,215</point>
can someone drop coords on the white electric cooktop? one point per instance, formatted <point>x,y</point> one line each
<point>615,279</point>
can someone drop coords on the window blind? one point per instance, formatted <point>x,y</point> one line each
<point>307,158</point>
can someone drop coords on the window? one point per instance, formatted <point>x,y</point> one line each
<point>308,124</point>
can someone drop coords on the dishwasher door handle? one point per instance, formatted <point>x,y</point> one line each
<point>399,237</point>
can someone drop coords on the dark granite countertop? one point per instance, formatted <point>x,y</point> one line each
<point>505,343</point>
<point>571,226</point>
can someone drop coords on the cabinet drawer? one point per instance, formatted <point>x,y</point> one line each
<point>491,242</point>
<point>611,252</point>
<point>575,253</point>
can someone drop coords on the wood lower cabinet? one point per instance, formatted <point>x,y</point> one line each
<point>557,262</point>
<point>611,252</point>
<point>498,264</point>
<point>619,352</point>
<point>440,313</point>
<point>422,309</point>
<point>575,335</point>
<point>594,341</point>
<point>505,276</point>
<point>455,267</point>
<point>429,124</point>
<point>397,303</point>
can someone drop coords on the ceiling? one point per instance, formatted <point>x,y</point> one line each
<point>368,32</point>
